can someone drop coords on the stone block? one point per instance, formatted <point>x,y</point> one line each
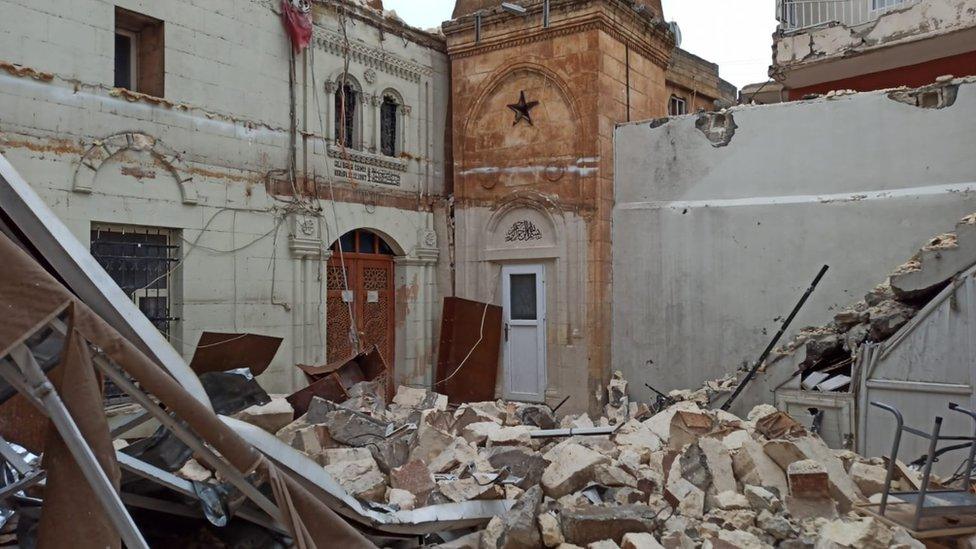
<point>753,466</point>
<point>458,453</point>
<point>571,469</point>
<point>477,433</point>
<point>510,436</point>
<point>719,463</point>
<point>401,499</point>
<point>429,444</point>
<point>865,533</point>
<point>640,541</point>
<point>731,500</point>
<point>271,417</point>
<point>870,479</point>
<point>808,479</point>
<point>521,528</point>
<point>415,478</point>
<point>762,499</point>
<point>361,478</point>
<point>521,463</point>
<point>590,524</point>
<point>550,529</point>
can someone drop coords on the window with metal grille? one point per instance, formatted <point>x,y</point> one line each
<point>389,112</point>
<point>346,115</point>
<point>142,261</point>
<point>677,106</point>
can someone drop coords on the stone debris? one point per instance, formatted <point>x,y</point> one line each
<point>271,417</point>
<point>684,477</point>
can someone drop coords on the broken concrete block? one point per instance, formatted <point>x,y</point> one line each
<point>776,525</point>
<point>520,463</point>
<point>687,427</point>
<point>753,466</point>
<point>641,540</point>
<point>677,540</point>
<point>866,533</point>
<point>731,500</point>
<point>521,529</point>
<point>736,519</point>
<point>660,423</point>
<point>808,479</point>
<point>762,499</point>
<point>510,436</point>
<point>361,478</point>
<point>415,478</point>
<point>571,469</point>
<point>339,455</point>
<point>590,524</point>
<point>842,488</point>
<point>779,425</point>
<point>603,544</point>
<point>550,529</point>
<point>719,463</point>
<point>420,399</point>
<point>735,539</point>
<point>635,433</point>
<point>401,499</point>
<point>458,453</point>
<point>489,538</point>
<point>271,417</point>
<point>429,444</point>
<point>612,476</point>
<point>478,487</point>
<point>733,441</point>
<point>686,498</point>
<point>466,416</point>
<point>811,508</point>
<point>477,433</point>
<point>193,471</point>
<point>870,479</point>
<point>887,318</point>
<point>760,411</point>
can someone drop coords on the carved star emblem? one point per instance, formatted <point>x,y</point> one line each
<point>523,109</point>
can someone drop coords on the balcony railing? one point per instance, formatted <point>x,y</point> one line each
<point>795,15</point>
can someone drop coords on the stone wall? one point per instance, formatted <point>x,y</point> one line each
<point>210,159</point>
<point>599,63</point>
<point>717,234</point>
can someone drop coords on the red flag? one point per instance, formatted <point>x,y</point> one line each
<point>298,23</point>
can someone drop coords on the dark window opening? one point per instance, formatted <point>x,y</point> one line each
<point>143,262</point>
<point>389,112</point>
<point>523,296</point>
<point>677,106</point>
<point>346,109</point>
<point>362,241</point>
<point>139,53</point>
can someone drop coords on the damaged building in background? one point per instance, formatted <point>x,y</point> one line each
<point>334,280</point>
<point>213,173</point>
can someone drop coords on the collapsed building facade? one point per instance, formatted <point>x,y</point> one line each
<point>334,201</point>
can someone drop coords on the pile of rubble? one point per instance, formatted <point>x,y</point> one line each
<point>825,353</point>
<point>684,477</point>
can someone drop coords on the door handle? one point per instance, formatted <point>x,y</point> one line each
<point>506,331</point>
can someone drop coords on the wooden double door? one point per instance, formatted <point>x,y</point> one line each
<point>361,299</point>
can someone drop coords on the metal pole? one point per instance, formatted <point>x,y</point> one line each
<point>82,453</point>
<point>927,473</point>
<point>772,344</point>
<point>899,423</point>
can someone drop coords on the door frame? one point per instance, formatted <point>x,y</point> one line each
<point>538,269</point>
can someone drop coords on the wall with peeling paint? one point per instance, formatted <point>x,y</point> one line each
<point>210,158</point>
<point>714,244</point>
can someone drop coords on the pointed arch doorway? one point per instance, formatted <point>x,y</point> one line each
<point>360,297</point>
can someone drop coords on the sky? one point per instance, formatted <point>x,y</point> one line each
<point>736,34</point>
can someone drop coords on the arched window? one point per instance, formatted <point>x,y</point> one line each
<point>347,114</point>
<point>389,126</point>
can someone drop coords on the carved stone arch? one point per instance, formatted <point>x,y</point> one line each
<point>499,77</point>
<point>523,221</point>
<point>104,149</point>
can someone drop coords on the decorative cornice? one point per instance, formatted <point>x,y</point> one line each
<point>374,58</point>
<point>376,160</point>
<point>661,56</point>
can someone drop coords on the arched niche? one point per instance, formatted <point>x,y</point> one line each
<point>498,152</point>
<point>104,149</point>
<point>522,229</point>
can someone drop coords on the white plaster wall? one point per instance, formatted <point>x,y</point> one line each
<point>227,71</point>
<point>714,245</point>
<point>481,253</point>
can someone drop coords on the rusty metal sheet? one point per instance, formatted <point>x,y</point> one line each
<point>219,352</point>
<point>333,381</point>
<point>461,329</point>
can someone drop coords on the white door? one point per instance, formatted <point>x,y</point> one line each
<point>524,291</point>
